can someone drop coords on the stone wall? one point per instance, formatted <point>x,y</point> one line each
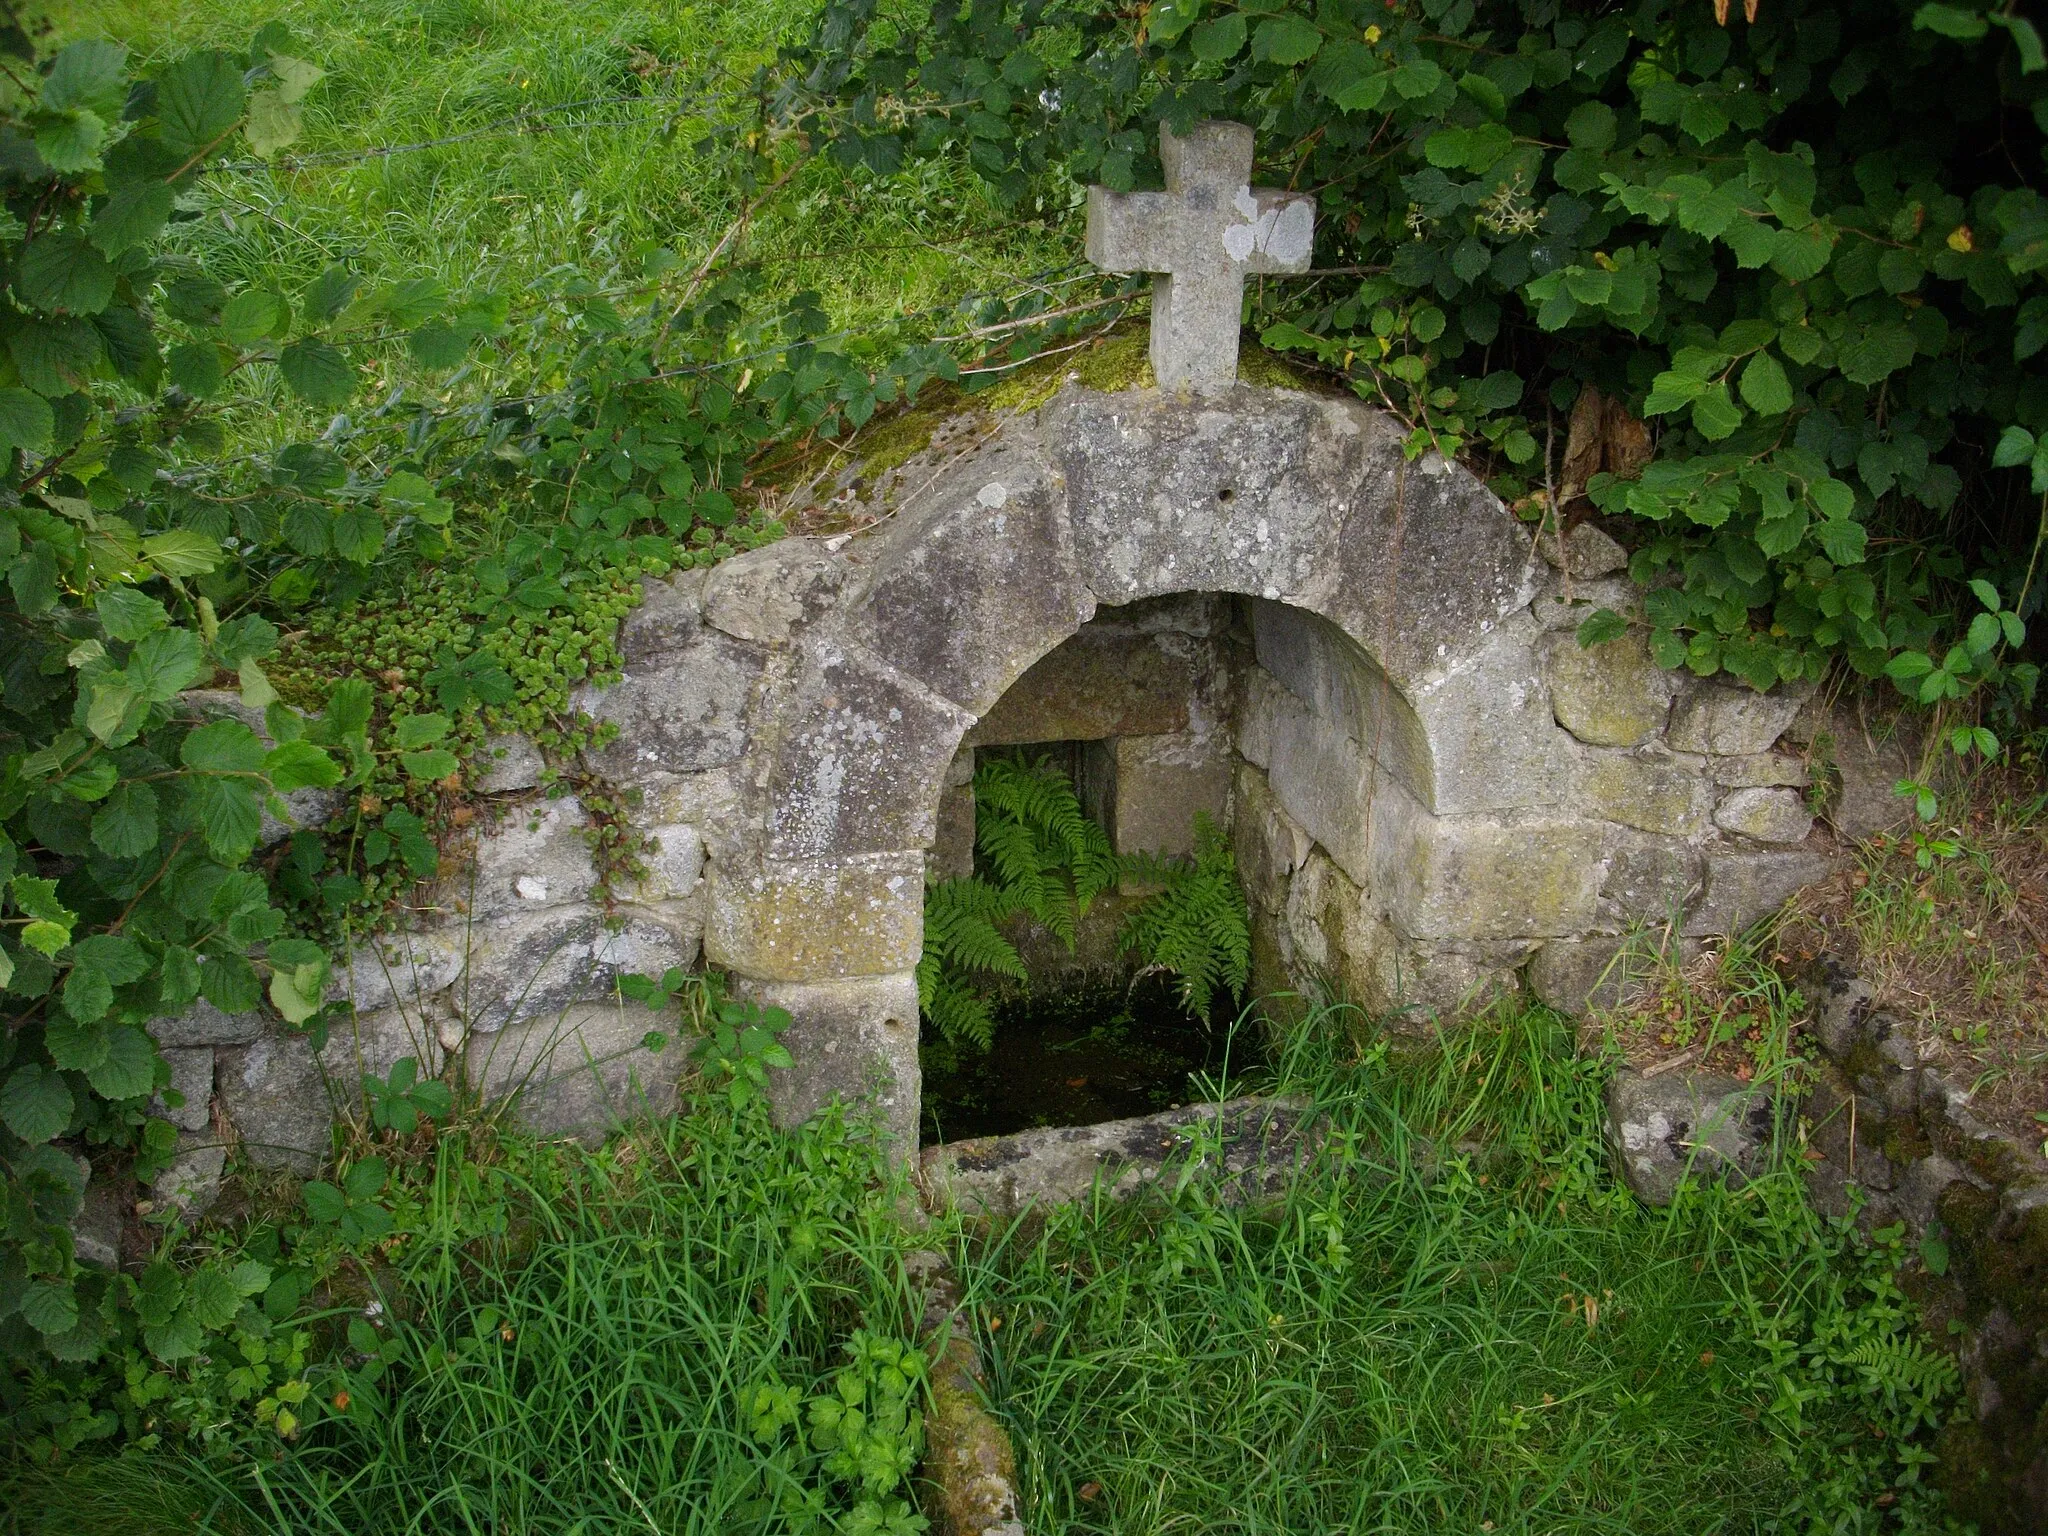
<point>1252,603</point>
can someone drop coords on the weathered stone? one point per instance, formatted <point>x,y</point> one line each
<point>310,807</point>
<point>401,967</point>
<point>1648,790</point>
<point>204,1024</point>
<point>1578,975</point>
<point>952,852</point>
<point>969,1467</point>
<point>1868,767</point>
<point>1268,843</point>
<point>1261,1141</point>
<point>1163,783</point>
<point>192,1079</point>
<point>1845,1000</point>
<point>1666,1128</point>
<point>1732,721</point>
<point>582,1072</point>
<point>532,966</point>
<point>190,1182</point>
<point>1201,236</point>
<point>681,701</point>
<point>538,856</point>
<point>1921,1187</point>
<point>767,594</point>
<point>1478,878</point>
<point>862,762</point>
<point>1094,686</point>
<point>711,802</point>
<point>1231,493</point>
<point>1649,881</point>
<point>511,763</point>
<point>979,581</point>
<point>1743,885</point>
<point>817,920</point>
<point>1758,770</point>
<point>1611,695</point>
<point>1583,553</point>
<point>1767,815</point>
<point>853,1040</point>
<point>674,860</point>
<point>1554,609</point>
<point>1338,693</point>
<point>96,1227</point>
<point>1429,562</point>
<point>1494,741</point>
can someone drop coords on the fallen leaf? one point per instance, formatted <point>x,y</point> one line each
<point>1090,1491</point>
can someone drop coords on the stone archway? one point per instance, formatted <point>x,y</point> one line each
<point>1436,789</point>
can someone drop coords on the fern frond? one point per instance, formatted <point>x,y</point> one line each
<point>1198,926</point>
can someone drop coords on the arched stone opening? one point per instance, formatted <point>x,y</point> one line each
<point>1392,769</point>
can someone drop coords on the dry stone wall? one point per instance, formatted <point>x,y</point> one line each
<point>1250,602</point>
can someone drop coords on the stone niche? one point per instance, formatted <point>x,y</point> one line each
<point>1250,602</point>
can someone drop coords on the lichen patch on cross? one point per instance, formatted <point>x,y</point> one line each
<point>1200,238</point>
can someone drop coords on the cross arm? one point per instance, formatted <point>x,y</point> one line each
<point>1130,231</point>
<point>1283,231</point>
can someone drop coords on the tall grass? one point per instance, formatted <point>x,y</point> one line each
<point>647,160</point>
<point>1451,1321</point>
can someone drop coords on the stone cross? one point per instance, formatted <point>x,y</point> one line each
<point>1200,237</point>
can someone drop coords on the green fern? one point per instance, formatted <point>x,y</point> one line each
<point>1901,1366</point>
<point>1042,855</point>
<point>961,939</point>
<point>1198,925</point>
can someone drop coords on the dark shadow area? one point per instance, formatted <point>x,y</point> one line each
<point>1079,1058</point>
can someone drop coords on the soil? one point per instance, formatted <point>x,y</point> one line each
<point>1108,1053</point>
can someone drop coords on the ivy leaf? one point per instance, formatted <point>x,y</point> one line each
<point>1764,386</point>
<point>34,1103</point>
<point>61,272</point>
<point>198,102</point>
<point>129,1070</point>
<point>317,372</point>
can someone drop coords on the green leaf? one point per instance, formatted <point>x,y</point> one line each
<point>435,764</point>
<point>358,533</point>
<point>50,1306</point>
<point>223,746</point>
<point>1591,126</point>
<point>34,1103</point>
<point>1714,415</point>
<point>1286,40</point>
<point>182,552</point>
<point>1983,634</point>
<point>1843,541</point>
<point>295,77</point>
<point>300,765</point>
<point>419,730</point>
<point>1214,41</point>
<point>1601,627</point>
<point>70,142</point>
<point>1764,386</point>
<point>1880,352</point>
<point>274,123</point>
<point>126,826</point>
<point>1986,593</point>
<point>2015,446</point>
<point>128,615</point>
<point>61,272</point>
<point>129,1070</point>
<point>89,74</point>
<point>198,102</point>
<point>87,994</point>
<point>75,1044</point>
<point>213,1298</point>
<point>1168,19</point>
<point>229,813</point>
<point>1833,497</point>
<point>317,372</point>
<point>196,368</point>
<point>26,421</point>
<point>1950,21</point>
<point>255,315</point>
<point>296,991</point>
<point>164,664</point>
<point>132,215</point>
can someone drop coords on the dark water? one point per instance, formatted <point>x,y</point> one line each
<point>1106,1054</point>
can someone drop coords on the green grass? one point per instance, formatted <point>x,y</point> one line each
<point>1402,1343</point>
<point>501,210</point>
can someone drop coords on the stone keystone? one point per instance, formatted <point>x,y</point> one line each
<point>1200,237</point>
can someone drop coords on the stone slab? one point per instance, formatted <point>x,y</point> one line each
<point>1096,685</point>
<point>1665,1129</point>
<point>1612,695</point>
<point>583,1072</point>
<point>852,1040</point>
<point>817,920</point>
